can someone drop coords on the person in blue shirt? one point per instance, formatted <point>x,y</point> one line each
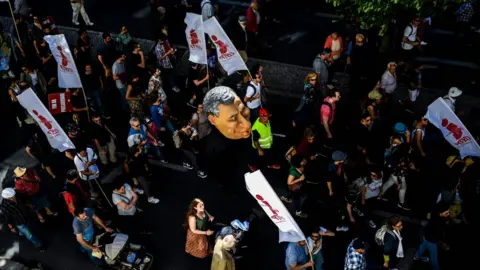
<point>139,134</point>
<point>296,256</point>
<point>158,114</point>
<point>83,230</point>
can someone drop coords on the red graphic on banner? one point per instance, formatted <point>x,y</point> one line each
<point>46,123</point>
<point>222,48</point>
<point>194,40</point>
<point>64,62</point>
<point>456,132</point>
<point>275,212</point>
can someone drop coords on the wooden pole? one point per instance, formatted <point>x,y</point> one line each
<point>14,24</point>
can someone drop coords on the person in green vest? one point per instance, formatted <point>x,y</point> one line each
<point>262,140</point>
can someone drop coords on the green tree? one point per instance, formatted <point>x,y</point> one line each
<point>378,13</point>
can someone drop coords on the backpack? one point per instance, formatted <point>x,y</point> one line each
<point>328,105</point>
<point>243,91</point>
<point>380,235</point>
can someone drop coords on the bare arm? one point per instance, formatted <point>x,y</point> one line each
<point>29,151</point>
<point>193,226</point>
<point>83,242</point>
<point>418,140</point>
<point>100,59</point>
<point>327,127</point>
<point>129,93</point>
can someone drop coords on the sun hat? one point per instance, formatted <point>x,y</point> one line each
<point>8,193</point>
<point>454,92</point>
<point>19,171</point>
<point>242,18</point>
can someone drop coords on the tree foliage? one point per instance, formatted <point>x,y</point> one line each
<point>377,13</point>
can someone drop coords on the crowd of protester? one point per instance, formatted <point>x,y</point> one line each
<point>359,157</point>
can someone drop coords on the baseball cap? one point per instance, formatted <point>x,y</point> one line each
<point>242,18</point>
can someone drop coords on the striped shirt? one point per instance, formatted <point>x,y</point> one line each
<point>12,213</point>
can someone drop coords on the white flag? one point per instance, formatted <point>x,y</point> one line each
<point>441,116</point>
<point>55,134</point>
<point>228,55</point>
<point>67,71</point>
<point>196,38</point>
<point>266,197</point>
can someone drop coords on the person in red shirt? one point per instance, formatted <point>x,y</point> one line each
<point>253,23</point>
<point>27,184</point>
<point>74,195</point>
<point>327,110</point>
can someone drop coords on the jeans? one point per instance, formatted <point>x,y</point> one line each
<point>123,96</point>
<point>318,260</point>
<point>89,251</point>
<point>298,200</point>
<point>155,152</point>
<point>254,113</point>
<point>25,231</point>
<point>144,184</point>
<point>432,251</point>
<point>97,100</point>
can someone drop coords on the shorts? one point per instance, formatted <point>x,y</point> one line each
<point>351,198</point>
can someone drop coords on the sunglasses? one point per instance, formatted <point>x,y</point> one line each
<point>313,79</point>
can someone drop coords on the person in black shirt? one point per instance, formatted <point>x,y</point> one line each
<point>104,140</point>
<point>433,234</point>
<point>197,80</point>
<point>16,217</point>
<point>39,148</point>
<point>93,85</point>
<point>136,165</point>
<point>106,54</point>
<point>49,65</point>
<point>188,138</point>
<point>84,46</point>
<point>79,108</point>
<point>364,136</point>
<point>78,139</point>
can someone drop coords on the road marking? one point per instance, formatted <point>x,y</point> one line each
<point>279,135</point>
<point>142,13</point>
<point>296,36</point>
<point>448,62</point>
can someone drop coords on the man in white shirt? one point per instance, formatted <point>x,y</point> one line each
<point>389,78</point>
<point>253,96</point>
<point>452,96</point>
<point>410,40</point>
<point>207,9</point>
<point>85,162</point>
<point>79,8</point>
<point>314,242</point>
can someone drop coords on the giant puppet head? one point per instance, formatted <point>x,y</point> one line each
<point>227,113</point>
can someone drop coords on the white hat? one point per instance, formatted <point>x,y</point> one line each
<point>8,193</point>
<point>454,92</point>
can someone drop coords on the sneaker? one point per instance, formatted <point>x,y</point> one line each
<point>139,191</point>
<point>300,214</point>
<point>312,182</point>
<point>252,168</point>
<point>10,74</point>
<point>89,24</point>
<point>342,229</point>
<point>358,212</point>
<point>372,224</point>
<point>421,259</point>
<point>201,174</point>
<point>176,89</point>
<point>76,23</point>
<point>403,207</point>
<point>237,257</point>
<point>160,144</point>
<point>163,161</point>
<point>153,200</point>
<point>106,117</point>
<point>42,249</point>
<point>274,166</point>
<point>187,166</point>
<point>285,199</point>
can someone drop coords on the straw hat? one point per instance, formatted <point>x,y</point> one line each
<point>19,171</point>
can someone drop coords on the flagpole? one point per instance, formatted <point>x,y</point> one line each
<point>83,91</point>
<point>14,23</point>
<point>310,253</point>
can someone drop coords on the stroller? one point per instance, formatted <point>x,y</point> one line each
<point>120,254</point>
<point>238,230</point>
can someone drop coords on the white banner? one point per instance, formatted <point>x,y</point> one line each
<point>266,197</point>
<point>228,55</point>
<point>67,71</point>
<point>55,134</point>
<point>441,116</point>
<point>196,38</point>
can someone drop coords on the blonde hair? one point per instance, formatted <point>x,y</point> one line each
<point>309,76</point>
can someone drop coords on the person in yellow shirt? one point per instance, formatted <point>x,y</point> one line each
<point>262,140</point>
